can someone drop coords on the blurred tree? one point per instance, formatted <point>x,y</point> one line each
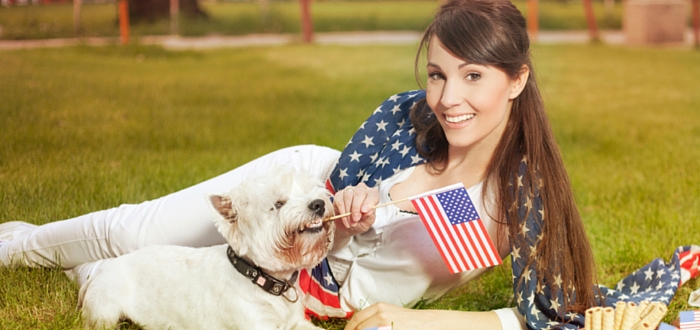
<point>152,10</point>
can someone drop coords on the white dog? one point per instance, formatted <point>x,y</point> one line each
<point>274,226</point>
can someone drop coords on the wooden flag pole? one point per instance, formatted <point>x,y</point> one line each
<point>374,208</point>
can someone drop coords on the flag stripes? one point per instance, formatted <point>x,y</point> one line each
<point>457,231</point>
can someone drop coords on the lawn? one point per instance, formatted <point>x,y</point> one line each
<point>87,128</point>
<point>245,17</point>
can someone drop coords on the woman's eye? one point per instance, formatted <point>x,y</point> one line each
<point>473,76</point>
<point>435,76</point>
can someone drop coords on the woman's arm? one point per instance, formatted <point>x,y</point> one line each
<point>400,318</point>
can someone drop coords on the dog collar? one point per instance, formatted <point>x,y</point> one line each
<point>266,282</point>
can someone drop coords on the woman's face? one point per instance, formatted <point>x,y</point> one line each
<point>472,102</point>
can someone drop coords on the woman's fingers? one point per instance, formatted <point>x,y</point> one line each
<point>373,316</point>
<point>359,201</point>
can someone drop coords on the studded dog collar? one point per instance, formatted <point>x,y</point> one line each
<point>266,282</point>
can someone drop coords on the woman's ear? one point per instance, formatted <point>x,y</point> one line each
<point>518,84</point>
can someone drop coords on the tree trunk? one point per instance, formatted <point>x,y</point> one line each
<point>152,10</point>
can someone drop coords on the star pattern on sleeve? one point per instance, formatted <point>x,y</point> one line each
<point>383,145</point>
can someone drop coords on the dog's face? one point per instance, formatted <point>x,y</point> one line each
<point>276,221</point>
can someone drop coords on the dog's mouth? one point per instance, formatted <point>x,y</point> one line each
<point>312,226</point>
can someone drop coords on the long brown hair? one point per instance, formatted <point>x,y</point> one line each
<point>493,33</point>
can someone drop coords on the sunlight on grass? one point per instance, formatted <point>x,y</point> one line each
<point>87,128</point>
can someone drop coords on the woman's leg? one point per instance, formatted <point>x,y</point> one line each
<point>182,218</point>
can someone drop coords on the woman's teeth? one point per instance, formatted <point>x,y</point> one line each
<point>458,119</point>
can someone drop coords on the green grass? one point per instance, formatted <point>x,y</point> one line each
<point>239,18</point>
<point>87,128</point>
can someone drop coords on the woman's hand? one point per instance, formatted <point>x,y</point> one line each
<point>383,314</point>
<point>400,318</point>
<point>359,202</point>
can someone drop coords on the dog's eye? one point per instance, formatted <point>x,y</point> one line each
<point>279,204</point>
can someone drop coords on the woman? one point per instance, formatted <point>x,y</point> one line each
<point>480,122</point>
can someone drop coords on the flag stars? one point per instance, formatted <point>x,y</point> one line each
<point>355,157</point>
<point>368,141</point>
<point>381,126</point>
<point>343,173</point>
<point>365,177</point>
<point>620,286</point>
<point>661,285</point>
<point>634,288</point>
<point>328,278</point>
<point>382,162</point>
<point>660,272</point>
<point>557,280</point>
<point>396,145</point>
<point>524,229</point>
<point>515,253</point>
<point>395,109</point>
<point>394,98</point>
<point>528,203</point>
<point>648,274</point>
<point>572,315</point>
<point>405,151</point>
<point>416,159</point>
<point>555,304</point>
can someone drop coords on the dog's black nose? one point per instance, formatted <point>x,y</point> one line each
<point>318,206</point>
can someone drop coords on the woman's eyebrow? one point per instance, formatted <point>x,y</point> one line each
<point>460,66</point>
<point>431,64</point>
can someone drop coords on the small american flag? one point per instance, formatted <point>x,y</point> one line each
<point>456,228</point>
<point>689,320</point>
<point>666,326</point>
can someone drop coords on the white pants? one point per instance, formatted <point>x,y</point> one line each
<point>182,218</point>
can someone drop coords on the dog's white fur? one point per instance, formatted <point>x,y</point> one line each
<point>269,221</point>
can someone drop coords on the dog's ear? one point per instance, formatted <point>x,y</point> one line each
<point>224,206</point>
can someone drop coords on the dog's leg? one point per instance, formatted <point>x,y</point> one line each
<point>98,310</point>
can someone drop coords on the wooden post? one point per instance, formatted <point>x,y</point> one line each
<point>533,20</point>
<point>306,23</point>
<point>76,17</point>
<point>590,20</point>
<point>174,15</point>
<point>264,10</point>
<point>124,21</point>
<point>696,22</point>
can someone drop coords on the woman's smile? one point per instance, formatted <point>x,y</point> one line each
<point>459,118</point>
